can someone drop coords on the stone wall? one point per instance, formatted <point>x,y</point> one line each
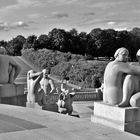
<point>12,94</point>
<point>15,95</point>
<point>19,100</point>
<point>84,96</point>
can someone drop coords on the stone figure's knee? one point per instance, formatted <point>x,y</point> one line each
<point>129,78</point>
<point>10,69</point>
<point>135,101</point>
<point>130,83</point>
<point>132,102</point>
<point>62,110</point>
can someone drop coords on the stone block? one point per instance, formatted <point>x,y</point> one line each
<point>20,89</point>
<point>33,105</point>
<point>10,90</point>
<point>125,119</point>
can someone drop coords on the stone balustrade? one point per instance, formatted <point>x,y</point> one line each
<point>12,94</point>
<point>15,94</point>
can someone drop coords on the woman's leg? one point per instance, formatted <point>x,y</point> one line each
<point>135,100</point>
<point>11,74</point>
<point>128,90</point>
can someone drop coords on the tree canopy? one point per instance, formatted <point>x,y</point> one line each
<point>97,43</point>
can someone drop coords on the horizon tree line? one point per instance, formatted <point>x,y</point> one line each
<point>97,43</point>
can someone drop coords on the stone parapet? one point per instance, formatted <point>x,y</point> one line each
<point>125,119</point>
<point>12,94</point>
<point>83,96</point>
<point>10,90</point>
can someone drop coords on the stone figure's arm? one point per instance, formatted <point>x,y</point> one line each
<point>32,74</point>
<point>130,69</point>
<point>72,94</point>
<point>64,89</point>
<point>52,85</point>
<point>38,78</point>
<point>16,66</point>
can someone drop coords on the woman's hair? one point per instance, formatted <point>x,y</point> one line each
<point>2,50</point>
<point>138,53</point>
<point>120,51</point>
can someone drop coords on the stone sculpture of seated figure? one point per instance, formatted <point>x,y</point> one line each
<point>9,69</point>
<point>65,98</point>
<point>131,89</point>
<point>114,76</point>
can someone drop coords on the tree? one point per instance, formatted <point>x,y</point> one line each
<point>3,43</point>
<point>15,46</point>
<point>123,39</point>
<point>93,42</point>
<point>43,41</point>
<point>58,39</point>
<point>30,41</point>
<point>74,41</point>
<point>135,31</point>
<point>82,43</point>
<point>108,39</point>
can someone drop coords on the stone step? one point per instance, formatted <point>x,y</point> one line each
<point>125,119</point>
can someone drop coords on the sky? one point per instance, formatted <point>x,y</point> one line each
<point>36,17</point>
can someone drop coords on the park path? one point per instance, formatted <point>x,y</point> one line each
<point>25,67</point>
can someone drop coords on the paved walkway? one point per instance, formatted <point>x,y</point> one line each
<point>84,109</point>
<point>33,124</point>
<point>20,123</point>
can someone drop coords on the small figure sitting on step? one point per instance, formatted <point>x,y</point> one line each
<point>65,98</point>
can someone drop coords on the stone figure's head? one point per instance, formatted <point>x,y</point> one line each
<point>138,55</point>
<point>2,50</point>
<point>31,74</point>
<point>46,72</point>
<point>122,54</point>
<point>66,80</point>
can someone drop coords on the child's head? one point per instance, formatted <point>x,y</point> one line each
<point>65,79</point>
<point>46,72</point>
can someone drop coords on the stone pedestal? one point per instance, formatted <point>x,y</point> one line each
<point>33,105</point>
<point>10,90</point>
<point>125,119</point>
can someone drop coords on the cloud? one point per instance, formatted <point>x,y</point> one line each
<point>59,15</point>
<point>117,24</point>
<point>123,28</point>
<point>19,24</point>
<point>108,22</point>
<point>4,26</point>
<point>105,5</point>
<point>111,23</point>
<point>19,5</point>
<point>90,14</point>
<point>34,16</point>
<point>55,2</point>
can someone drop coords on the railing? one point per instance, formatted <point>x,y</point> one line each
<point>20,100</point>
